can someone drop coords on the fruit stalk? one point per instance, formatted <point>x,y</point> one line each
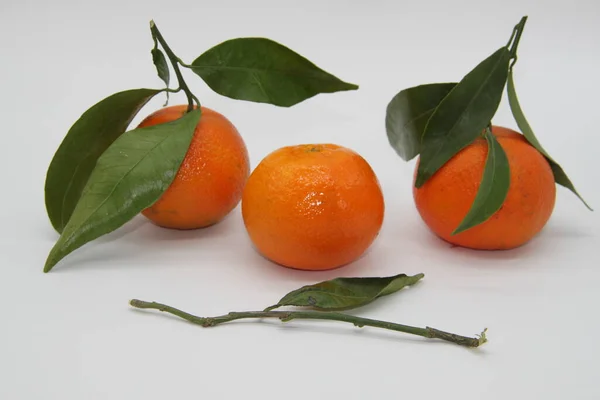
<point>285,316</point>
<point>175,63</point>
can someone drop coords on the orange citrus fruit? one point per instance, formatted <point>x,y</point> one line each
<point>313,206</point>
<point>210,180</point>
<point>444,200</point>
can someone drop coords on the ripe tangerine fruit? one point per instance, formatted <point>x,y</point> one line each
<point>210,180</point>
<point>313,206</point>
<point>444,200</point>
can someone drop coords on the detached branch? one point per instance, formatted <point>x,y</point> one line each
<point>285,316</point>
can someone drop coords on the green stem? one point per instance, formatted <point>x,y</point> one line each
<point>512,36</point>
<point>285,316</point>
<point>183,64</point>
<point>488,129</point>
<point>515,38</point>
<point>174,62</point>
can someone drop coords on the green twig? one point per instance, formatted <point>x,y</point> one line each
<point>515,38</point>
<point>512,36</point>
<point>175,63</point>
<point>285,316</point>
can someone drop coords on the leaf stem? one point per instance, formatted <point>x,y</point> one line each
<point>488,129</point>
<point>175,63</point>
<point>515,38</point>
<point>285,316</point>
<point>183,64</point>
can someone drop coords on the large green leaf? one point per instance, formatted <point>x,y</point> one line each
<point>87,139</point>
<point>492,189</point>
<point>264,71</point>
<point>129,176</point>
<point>560,176</point>
<point>407,115</point>
<point>463,114</point>
<point>345,293</point>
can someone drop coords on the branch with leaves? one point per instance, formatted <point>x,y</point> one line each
<point>438,120</point>
<point>325,300</point>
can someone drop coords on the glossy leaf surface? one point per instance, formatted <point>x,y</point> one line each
<point>463,114</point>
<point>407,115</point>
<point>264,71</point>
<point>87,139</point>
<point>492,189</point>
<point>130,176</point>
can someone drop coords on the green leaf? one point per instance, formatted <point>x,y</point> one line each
<point>492,189</point>
<point>264,71</point>
<point>129,176</point>
<point>560,176</point>
<point>87,139</point>
<point>345,293</point>
<point>407,115</point>
<point>463,114</point>
<point>162,68</point>
<point>161,65</point>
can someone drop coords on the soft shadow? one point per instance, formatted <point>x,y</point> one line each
<point>567,231</point>
<point>526,251</point>
<point>94,259</point>
<point>421,241</point>
<point>282,272</point>
<point>154,233</point>
<point>94,256</point>
<point>130,227</point>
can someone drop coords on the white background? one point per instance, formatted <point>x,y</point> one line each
<point>71,334</point>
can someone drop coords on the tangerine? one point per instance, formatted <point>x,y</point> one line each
<point>210,180</point>
<point>444,200</point>
<point>313,206</point>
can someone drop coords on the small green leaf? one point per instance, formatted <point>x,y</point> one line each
<point>87,139</point>
<point>129,176</point>
<point>162,68</point>
<point>560,176</point>
<point>463,114</point>
<point>345,293</point>
<point>407,115</point>
<point>264,71</point>
<point>492,189</point>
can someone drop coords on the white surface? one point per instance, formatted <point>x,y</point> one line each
<point>70,334</point>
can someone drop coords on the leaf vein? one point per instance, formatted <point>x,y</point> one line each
<point>74,231</point>
<point>443,145</point>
